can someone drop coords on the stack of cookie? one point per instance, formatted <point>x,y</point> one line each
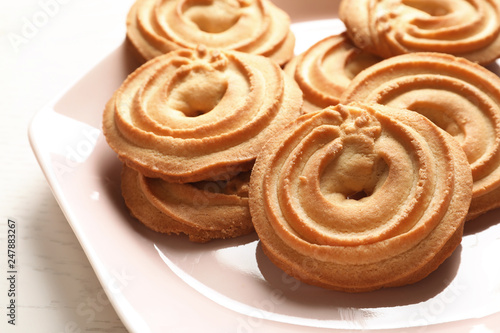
<point>357,162</point>
<point>196,119</point>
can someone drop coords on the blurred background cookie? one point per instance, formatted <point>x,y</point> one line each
<point>326,69</point>
<point>469,29</point>
<point>155,27</point>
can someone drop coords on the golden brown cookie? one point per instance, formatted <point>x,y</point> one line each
<point>469,29</point>
<point>459,96</point>
<point>155,27</point>
<point>326,69</point>
<point>359,197</point>
<point>192,115</point>
<point>203,211</point>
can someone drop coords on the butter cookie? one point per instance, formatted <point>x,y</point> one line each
<point>469,29</point>
<point>326,69</point>
<point>191,115</point>
<point>203,211</point>
<point>155,27</point>
<point>459,96</point>
<point>360,197</point>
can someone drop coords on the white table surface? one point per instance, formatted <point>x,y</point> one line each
<point>45,47</point>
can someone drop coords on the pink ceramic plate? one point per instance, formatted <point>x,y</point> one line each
<point>160,283</point>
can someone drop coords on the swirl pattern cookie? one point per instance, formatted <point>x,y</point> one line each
<point>204,210</point>
<point>191,115</point>
<point>326,69</point>
<point>360,197</point>
<point>459,96</point>
<point>465,28</point>
<point>155,27</point>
